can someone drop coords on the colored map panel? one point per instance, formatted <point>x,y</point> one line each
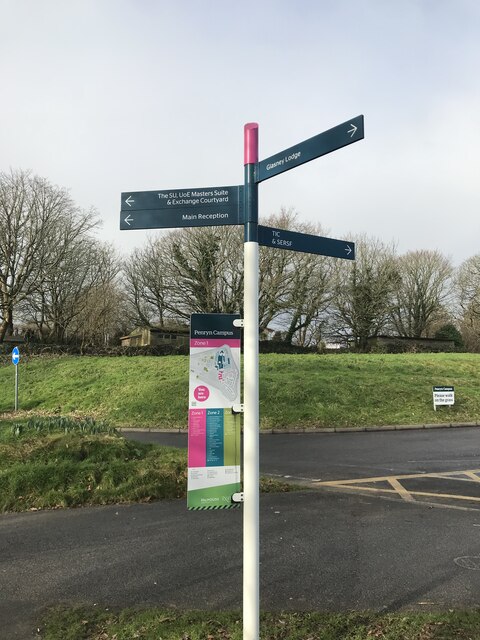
<point>213,430</point>
<point>214,361</point>
<point>217,368</point>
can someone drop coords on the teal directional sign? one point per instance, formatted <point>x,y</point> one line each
<point>208,206</point>
<point>305,242</point>
<point>340,136</point>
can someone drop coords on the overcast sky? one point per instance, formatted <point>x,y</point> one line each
<point>105,96</point>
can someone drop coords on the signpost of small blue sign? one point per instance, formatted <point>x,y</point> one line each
<point>15,361</point>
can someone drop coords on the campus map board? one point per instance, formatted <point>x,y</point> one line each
<point>213,429</point>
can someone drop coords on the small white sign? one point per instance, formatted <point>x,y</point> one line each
<point>443,396</point>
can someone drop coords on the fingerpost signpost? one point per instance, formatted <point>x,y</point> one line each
<point>239,205</point>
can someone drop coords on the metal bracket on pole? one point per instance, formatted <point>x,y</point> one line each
<point>238,322</point>
<point>237,497</point>
<point>237,408</point>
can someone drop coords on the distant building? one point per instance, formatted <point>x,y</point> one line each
<point>149,337</point>
<point>14,338</point>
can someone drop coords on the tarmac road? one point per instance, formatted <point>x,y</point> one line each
<point>330,548</point>
<point>331,456</point>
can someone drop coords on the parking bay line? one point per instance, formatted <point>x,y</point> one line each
<point>358,484</point>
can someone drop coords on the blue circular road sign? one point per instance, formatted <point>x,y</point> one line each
<point>15,355</point>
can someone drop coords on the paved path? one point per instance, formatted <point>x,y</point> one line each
<point>343,456</point>
<point>325,549</point>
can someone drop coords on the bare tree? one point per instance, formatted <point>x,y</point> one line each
<point>201,270</point>
<point>187,270</point>
<point>363,292</point>
<point>467,285</point>
<point>31,212</point>
<point>423,289</point>
<point>100,306</point>
<point>207,262</point>
<point>295,288</point>
<point>309,296</point>
<point>75,264</point>
<point>146,282</point>
<point>274,278</point>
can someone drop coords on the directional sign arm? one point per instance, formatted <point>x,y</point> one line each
<point>305,242</point>
<point>210,206</point>
<point>340,136</point>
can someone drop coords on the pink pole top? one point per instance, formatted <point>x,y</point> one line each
<point>251,143</point>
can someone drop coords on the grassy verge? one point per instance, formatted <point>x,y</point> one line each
<point>58,462</point>
<point>140,391</point>
<point>51,463</point>
<point>90,624</point>
<point>359,390</point>
<point>295,390</point>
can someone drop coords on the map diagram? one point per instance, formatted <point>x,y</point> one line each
<point>218,369</point>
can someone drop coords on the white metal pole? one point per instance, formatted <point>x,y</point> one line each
<point>16,387</point>
<point>251,473</point>
<point>251,526</point>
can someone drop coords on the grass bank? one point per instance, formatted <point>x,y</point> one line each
<point>347,390</point>
<point>51,463</point>
<point>93,624</point>
<point>54,463</point>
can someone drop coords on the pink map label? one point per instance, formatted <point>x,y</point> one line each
<point>201,393</point>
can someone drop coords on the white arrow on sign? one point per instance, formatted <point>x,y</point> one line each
<point>352,131</point>
<point>128,219</point>
<point>348,250</point>
<point>129,201</point>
